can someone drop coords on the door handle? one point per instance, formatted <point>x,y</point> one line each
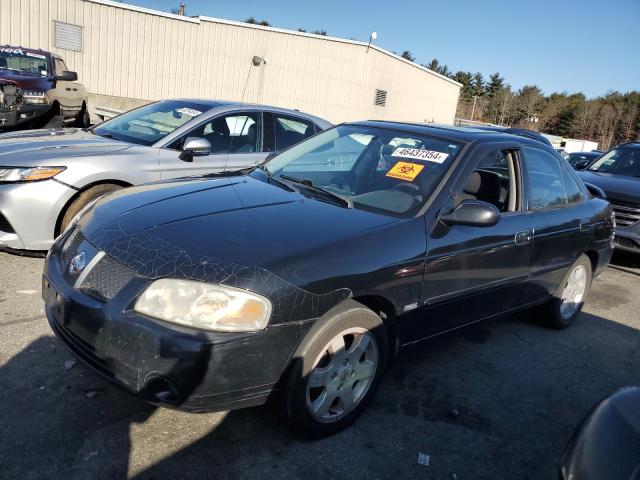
<point>585,225</point>
<point>523,238</point>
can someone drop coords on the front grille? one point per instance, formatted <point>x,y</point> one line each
<point>70,247</point>
<point>5,226</point>
<point>626,214</point>
<point>626,242</point>
<point>106,279</point>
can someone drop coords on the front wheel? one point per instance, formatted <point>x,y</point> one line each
<point>337,372</point>
<point>83,199</point>
<point>569,300</point>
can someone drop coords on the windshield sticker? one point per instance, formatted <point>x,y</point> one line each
<point>429,155</point>
<point>189,111</point>
<point>15,51</point>
<point>36,55</point>
<point>405,171</point>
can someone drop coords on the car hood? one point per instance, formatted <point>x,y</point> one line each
<point>620,188</point>
<point>244,220</point>
<point>48,146</point>
<point>26,82</point>
<point>242,231</point>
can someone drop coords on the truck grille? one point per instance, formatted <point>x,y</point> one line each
<point>626,213</point>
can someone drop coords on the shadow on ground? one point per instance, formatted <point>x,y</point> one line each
<point>494,400</point>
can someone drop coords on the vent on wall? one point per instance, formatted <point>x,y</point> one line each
<point>381,98</point>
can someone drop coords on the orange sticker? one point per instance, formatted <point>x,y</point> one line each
<point>405,171</point>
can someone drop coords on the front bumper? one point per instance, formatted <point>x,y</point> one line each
<point>29,212</point>
<point>164,364</point>
<point>628,238</point>
<point>22,114</point>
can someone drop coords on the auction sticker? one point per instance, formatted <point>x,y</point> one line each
<point>405,171</point>
<point>189,111</point>
<point>418,154</point>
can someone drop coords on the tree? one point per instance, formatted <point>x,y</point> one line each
<point>528,103</point>
<point>253,21</point>
<point>407,55</point>
<point>320,32</point>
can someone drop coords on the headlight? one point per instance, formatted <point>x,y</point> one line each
<point>206,306</point>
<point>35,96</point>
<point>28,174</point>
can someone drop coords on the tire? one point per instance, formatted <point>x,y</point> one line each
<point>83,199</point>
<point>83,120</point>
<point>352,370</point>
<point>561,313</point>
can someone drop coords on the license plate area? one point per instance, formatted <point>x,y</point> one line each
<point>54,301</point>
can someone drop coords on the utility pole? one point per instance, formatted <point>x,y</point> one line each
<point>473,109</point>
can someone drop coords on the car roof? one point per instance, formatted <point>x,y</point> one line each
<point>459,133</point>
<point>230,106</point>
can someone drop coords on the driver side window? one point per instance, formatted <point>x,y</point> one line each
<point>235,133</point>
<point>493,181</point>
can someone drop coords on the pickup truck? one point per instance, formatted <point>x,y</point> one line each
<point>37,89</point>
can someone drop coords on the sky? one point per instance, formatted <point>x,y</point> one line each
<point>560,45</point>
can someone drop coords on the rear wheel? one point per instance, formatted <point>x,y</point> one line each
<point>337,372</point>
<point>569,300</point>
<point>83,199</point>
<point>83,120</point>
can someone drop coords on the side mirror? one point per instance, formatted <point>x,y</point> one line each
<point>582,164</point>
<point>473,213</point>
<point>68,76</point>
<point>197,146</point>
<point>595,191</point>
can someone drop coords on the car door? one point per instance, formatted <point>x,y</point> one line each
<point>561,220</point>
<point>476,272</point>
<point>236,142</point>
<point>66,92</point>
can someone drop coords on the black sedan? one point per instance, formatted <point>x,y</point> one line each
<point>305,275</point>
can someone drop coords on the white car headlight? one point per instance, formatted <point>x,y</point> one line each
<point>203,305</point>
<point>28,174</point>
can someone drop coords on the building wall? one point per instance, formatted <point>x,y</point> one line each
<point>142,54</point>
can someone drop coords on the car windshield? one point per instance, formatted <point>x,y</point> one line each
<point>372,168</point>
<point>148,124</point>
<point>621,161</point>
<point>19,60</point>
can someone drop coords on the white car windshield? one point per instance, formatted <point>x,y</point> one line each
<point>372,168</point>
<point>148,124</point>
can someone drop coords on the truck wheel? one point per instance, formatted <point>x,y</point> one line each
<point>83,120</point>
<point>83,199</point>
<point>567,304</point>
<point>336,371</point>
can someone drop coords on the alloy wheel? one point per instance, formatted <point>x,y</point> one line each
<point>573,292</point>
<point>341,375</point>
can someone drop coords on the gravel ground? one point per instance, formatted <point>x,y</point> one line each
<point>498,400</point>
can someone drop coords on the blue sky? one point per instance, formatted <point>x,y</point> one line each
<point>560,45</point>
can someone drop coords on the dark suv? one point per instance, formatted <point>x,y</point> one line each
<point>36,86</point>
<point>617,173</point>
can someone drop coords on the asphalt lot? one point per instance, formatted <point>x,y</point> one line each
<point>498,400</point>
